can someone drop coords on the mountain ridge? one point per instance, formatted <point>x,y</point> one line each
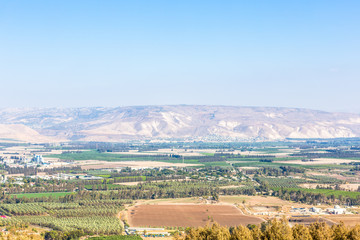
<point>194,122</point>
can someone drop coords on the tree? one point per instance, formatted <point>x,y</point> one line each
<point>354,233</point>
<point>300,232</point>
<point>340,231</point>
<point>320,231</point>
<point>214,232</point>
<point>277,230</point>
<point>241,233</point>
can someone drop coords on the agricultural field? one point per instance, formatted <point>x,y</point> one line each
<point>319,161</point>
<point>93,217</point>
<point>251,205</point>
<point>283,182</point>
<point>96,164</point>
<point>38,195</point>
<point>86,190</point>
<point>189,215</point>
<point>349,220</point>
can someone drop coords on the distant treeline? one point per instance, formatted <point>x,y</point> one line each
<point>130,179</point>
<point>275,171</point>
<point>232,155</point>
<point>30,171</point>
<point>329,154</point>
<point>27,171</point>
<point>146,190</point>
<point>300,195</point>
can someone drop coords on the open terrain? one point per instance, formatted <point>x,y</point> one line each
<point>189,215</point>
<point>349,220</point>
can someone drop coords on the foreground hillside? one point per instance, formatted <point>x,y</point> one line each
<point>179,122</point>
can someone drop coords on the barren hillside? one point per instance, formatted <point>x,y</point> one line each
<point>179,122</point>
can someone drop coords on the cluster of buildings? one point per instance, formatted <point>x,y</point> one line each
<point>314,210</point>
<point>24,161</point>
<point>59,176</point>
<point>38,160</point>
<point>147,232</point>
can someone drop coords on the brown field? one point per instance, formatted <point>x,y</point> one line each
<point>349,220</point>
<point>320,161</point>
<point>334,175</point>
<point>257,204</point>
<point>128,183</point>
<point>266,201</point>
<point>95,164</point>
<point>187,215</point>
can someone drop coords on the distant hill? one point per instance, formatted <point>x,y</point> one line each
<point>191,122</point>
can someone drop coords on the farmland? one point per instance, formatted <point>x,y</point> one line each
<point>173,215</point>
<point>282,182</point>
<point>89,216</point>
<point>99,191</point>
<point>37,195</point>
<point>349,220</point>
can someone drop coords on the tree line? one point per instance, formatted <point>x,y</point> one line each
<point>272,230</point>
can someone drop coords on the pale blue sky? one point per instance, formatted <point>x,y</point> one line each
<point>117,53</point>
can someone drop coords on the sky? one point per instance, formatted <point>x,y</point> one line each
<point>65,53</point>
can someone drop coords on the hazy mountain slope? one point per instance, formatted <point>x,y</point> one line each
<point>23,133</point>
<point>199,122</point>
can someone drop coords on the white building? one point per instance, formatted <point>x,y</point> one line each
<point>38,159</point>
<point>337,210</point>
<point>315,210</point>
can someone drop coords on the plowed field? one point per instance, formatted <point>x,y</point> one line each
<point>189,215</point>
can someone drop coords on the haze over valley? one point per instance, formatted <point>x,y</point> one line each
<point>181,122</point>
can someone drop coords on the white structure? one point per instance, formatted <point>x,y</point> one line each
<point>337,210</point>
<point>37,159</point>
<point>3,179</point>
<point>315,210</point>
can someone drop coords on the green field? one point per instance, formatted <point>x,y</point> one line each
<point>207,154</point>
<point>237,162</point>
<point>37,195</point>
<point>104,175</point>
<point>95,155</point>
<point>143,178</point>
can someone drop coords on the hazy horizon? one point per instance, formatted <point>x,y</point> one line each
<point>89,53</point>
<point>163,105</point>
